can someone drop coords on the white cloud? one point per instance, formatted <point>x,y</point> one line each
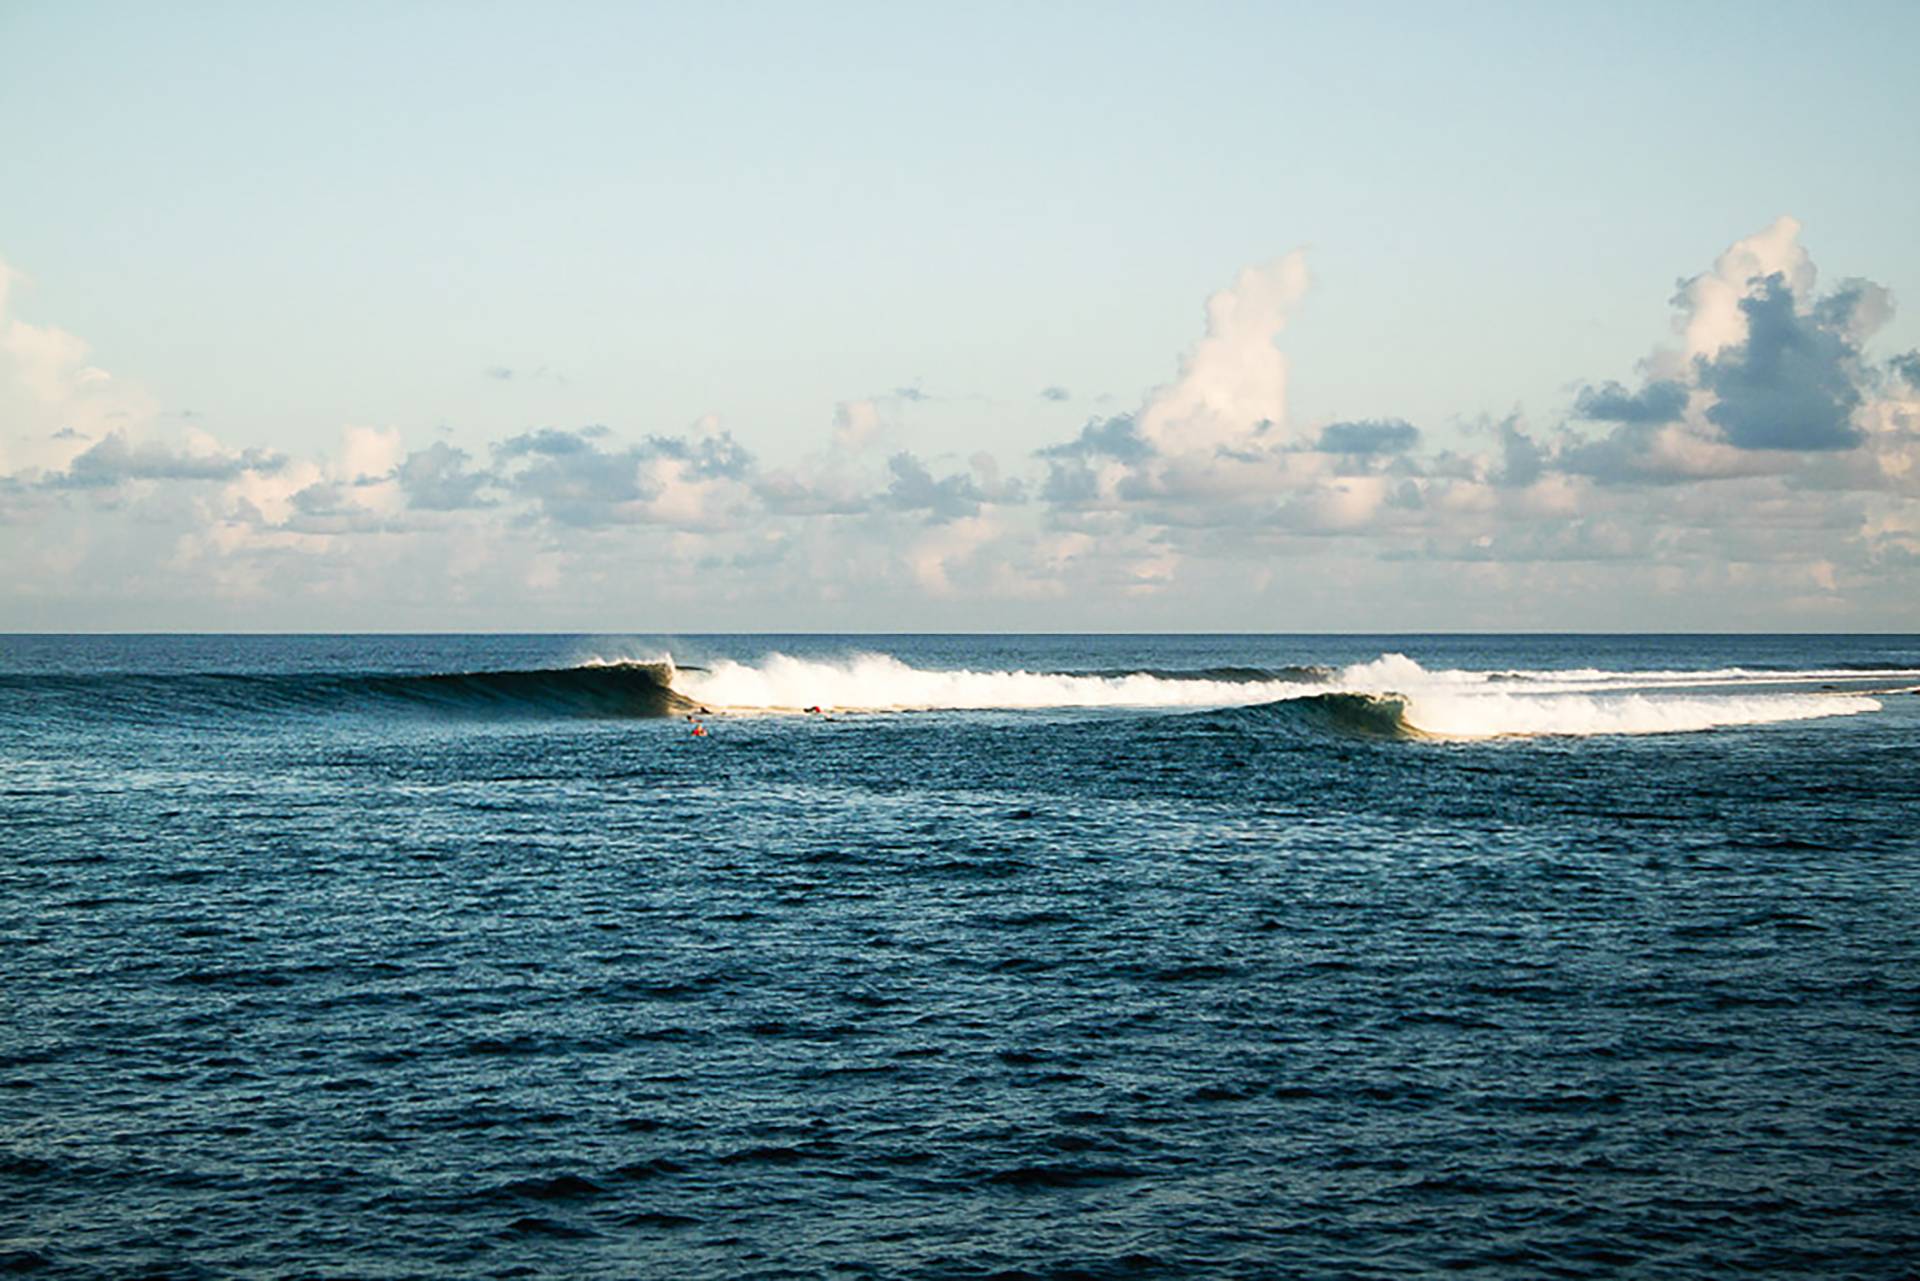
<point>1206,506</point>
<point>1232,389</point>
<point>1710,302</point>
<point>53,400</point>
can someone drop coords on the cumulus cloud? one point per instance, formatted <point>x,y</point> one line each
<point>115,461</point>
<point>438,478</point>
<point>571,479</point>
<point>1232,387</point>
<point>53,397</point>
<point>1764,442</point>
<point>1055,392</point>
<point>914,488</point>
<point>1769,374</point>
<point>1373,436</point>
<point>1117,438</point>
<point>1213,445</point>
<point>1792,383</point>
<point>714,456</point>
<point>1709,304</point>
<point>1660,401</point>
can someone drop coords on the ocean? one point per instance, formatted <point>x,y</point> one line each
<point>1050,956</point>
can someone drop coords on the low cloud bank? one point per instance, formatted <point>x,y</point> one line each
<point>1763,456</point>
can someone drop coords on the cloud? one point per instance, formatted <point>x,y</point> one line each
<point>855,422</point>
<point>1373,436</point>
<point>1233,383</point>
<point>322,498</point>
<point>1661,401</point>
<point>115,461</point>
<point>1710,314</point>
<point>1762,445</point>
<point>500,373</point>
<point>1770,374</point>
<point>550,442</point>
<point>52,395</point>
<point>437,479</point>
<point>1055,393</point>
<point>784,493</point>
<point>1213,447</point>
<point>914,488</point>
<point>1791,384</point>
<point>714,456</point>
<point>572,480</point>
<point>1117,438</point>
<point>1095,464</point>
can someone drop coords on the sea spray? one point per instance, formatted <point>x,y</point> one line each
<point>1449,703</point>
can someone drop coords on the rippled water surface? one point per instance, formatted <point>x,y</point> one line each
<point>1375,970</point>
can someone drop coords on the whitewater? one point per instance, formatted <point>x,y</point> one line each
<point>1445,703</point>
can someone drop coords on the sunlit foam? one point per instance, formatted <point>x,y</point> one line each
<point>1441,703</point>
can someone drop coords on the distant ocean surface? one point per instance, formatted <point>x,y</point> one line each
<point>1052,956</point>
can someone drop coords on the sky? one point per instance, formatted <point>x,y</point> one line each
<point>619,318</point>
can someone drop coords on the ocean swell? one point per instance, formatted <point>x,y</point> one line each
<point>599,690</point>
<point>1391,696</point>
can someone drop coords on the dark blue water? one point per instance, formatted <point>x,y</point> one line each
<point>316,969</point>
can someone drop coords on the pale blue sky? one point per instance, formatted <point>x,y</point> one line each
<point>291,220</point>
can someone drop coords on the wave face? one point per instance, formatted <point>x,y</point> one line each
<point>594,690</point>
<point>1391,696</point>
<point>1342,715</point>
<point>608,690</point>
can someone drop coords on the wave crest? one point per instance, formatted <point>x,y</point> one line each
<point>881,682</point>
<point>1391,696</point>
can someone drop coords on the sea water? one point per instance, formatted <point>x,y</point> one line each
<point>1050,956</point>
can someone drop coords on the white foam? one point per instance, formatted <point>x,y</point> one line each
<point>1484,715</point>
<point>880,682</point>
<point>1446,703</point>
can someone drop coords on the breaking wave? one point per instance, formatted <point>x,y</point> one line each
<point>1450,715</point>
<point>1391,696</point>
<point>1342,715</point>
<point>881,682</point>
<point>1442,716</point>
